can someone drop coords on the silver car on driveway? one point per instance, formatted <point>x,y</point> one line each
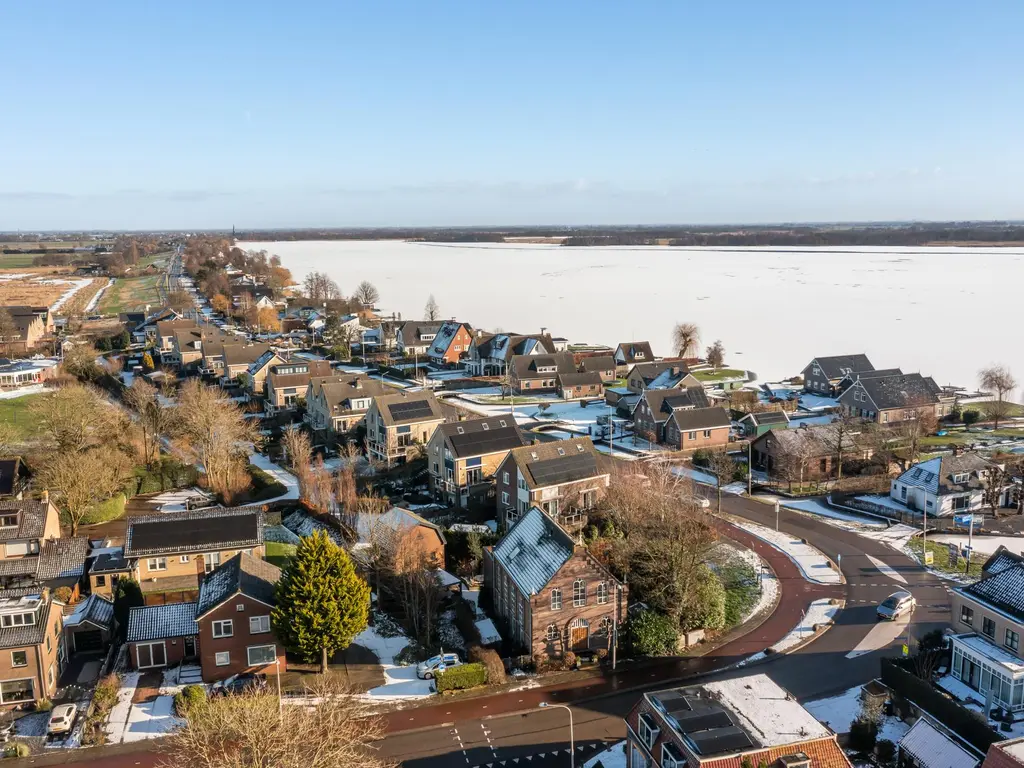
<point>895,605</point>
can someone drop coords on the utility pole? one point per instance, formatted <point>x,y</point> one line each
<point>750,467</point>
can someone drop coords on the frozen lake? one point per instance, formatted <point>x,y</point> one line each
<point>944,312</point>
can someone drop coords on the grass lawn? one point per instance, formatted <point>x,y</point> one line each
<point>160,259</point>
<point>130,294</point>
<point>720,375</point>
<point>16,413</point>
<point>953,438</point>
<point>941,562</point>
<point>105,511</point>
<point>279,554</point>
<point>16,260</point>
<point>1013,409</point>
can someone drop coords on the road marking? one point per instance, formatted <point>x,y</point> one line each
<point>887,570</point>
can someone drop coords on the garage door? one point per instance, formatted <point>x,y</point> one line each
<point>91,640</point>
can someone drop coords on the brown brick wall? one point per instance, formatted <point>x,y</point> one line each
<point>719,438</point>
<point>174,648</point>
<point>235,645</point>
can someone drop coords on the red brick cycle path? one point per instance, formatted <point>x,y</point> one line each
<point>796,594</point>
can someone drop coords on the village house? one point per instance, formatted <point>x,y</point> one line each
<point>13,478</point>
<point>490,354</point>
<point>551,593</point>
<point>106,567</point>
<point>165,330</point>
<point>226,629</point>
<point>451,344</point>
<point>948,485</point>
<point>32,325</point>
<point>287,383</point>
<point>655,406</point>
<point>415,337</point>
<point>575,386</point>
<point>688,429</point>
<point>171,552</point>
<point>411,542</point>
<point>32,552</point>
<point>807,453</point>
<point>604,365</point>
<point>186,351</point>
<point>257,372</point>
<point>989,616</point>
<point>663,374</point>
<point>756,424</point>
<point>562,477</point>
<point>89,627</point>
<point>463,456</point>
<point>338,404</point>
<point>16,374</point>
<point>146,331</point>
<point>893,399</point>
<point>930,745</point>
<point>745,721</point>
<point>854,376</point>
<point>1005,754</point>
<point>401,425</point>
<point>33,652</point>
<point>628,354</point>
<point>823,374</point>
<point>539,373</point>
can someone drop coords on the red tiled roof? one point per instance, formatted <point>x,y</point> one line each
<point>824,753</point>
<point>998,757</point>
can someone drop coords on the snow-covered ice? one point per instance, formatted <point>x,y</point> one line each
<point>812,563</point>
<point>983,544</point>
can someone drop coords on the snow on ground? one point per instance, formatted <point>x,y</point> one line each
<point>399,682</point>
<point>76,286</point>
<point>820,612</point>
<point>149,719</point>
<point>769,584</point>
<point>119,714</point>
<point>838,712</point>
<point>286,479</point>
<point>975,701</point>
<point>885,501</point>
<point>816,507</point>
<point>95,300</point>
<point>613,757</point>
<point>984,544</point>
<point>174,501</point>
<point>811,562</point>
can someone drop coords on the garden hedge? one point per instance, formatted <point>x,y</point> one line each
<point>462,677</point>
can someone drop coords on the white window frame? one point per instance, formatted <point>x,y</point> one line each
<point>504,497</point>
<point>219,625</point>
<point>32,689</point>
<point>552,633</point>
<point>156,564</point>
<point>140,646</point>
<point>602,592</point>
<point>556,599</point>
<point>225,655</point>
<point>211,561</point>
<point>183,559</point>
<point>14,663</point>
<point>265,619</point>
<point>648,733</point>
<point>251,648</point>
<point>579,593</point>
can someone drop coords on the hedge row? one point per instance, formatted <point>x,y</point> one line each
<point>461,677</point>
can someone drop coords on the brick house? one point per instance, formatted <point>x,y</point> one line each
<point>32,552</point>
<point>89,627</point>
<point>552,594</point>
<point>663,374</point>
<point>32,324</point>
<point>600,364</point>
<point>491,354</point>
<point>106,568</point>
<point>287,383</point>
<point>33,652</point>
<point>563,478</point>
<point>655,406</point>
<point>574,386</point>
<point>728,724</point>
<point>628,354</point>
<point>256,374</point>
<point>894,399</point>
<point>229,360</point>
<point>463,456</point>
<point>415,337</point>
<point>539,373</point>
<point>451,344</point>
<point>410,540</point>
<point>823,374</point>
<point>338,404</point>
<point>398,425</point>
<point>226,630</point>
<point>806,453</point>
<point>1005,754</point>
<point>170,553</point>
<point>688,429</point>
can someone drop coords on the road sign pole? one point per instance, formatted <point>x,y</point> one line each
<point>970,543</point>
<point>776,514</point>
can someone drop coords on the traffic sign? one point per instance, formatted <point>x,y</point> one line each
<point>906,649</point>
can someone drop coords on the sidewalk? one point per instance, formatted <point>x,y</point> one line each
<point>287,479</point>
<point>794,603</point>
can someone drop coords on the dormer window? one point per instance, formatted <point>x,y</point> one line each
<point>648,730</point>
<point>8,521</point>
<point>485,426</point>
<point>961,477</point>
<point>18,619</point>
<point>460,430</point>
<point>502,422</point>
<point>639,355</point>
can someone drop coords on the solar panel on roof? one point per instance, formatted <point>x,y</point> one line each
<point>704,721</point>
<point>677,705</point>
<point>563,469</point>
<point>406,411</point>
<point>477,443</point>
<point>715,742</point>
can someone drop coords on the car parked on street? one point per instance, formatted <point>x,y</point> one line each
<point>895,605</point>
<point>429,669</point>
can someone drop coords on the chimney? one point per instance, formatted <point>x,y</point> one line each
<point>542,329</point>
<point>958,450</point>
<point>45,496</point>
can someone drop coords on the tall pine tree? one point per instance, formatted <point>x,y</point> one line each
<point>322,603</point>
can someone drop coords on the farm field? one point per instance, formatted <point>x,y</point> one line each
<point>130,294</point>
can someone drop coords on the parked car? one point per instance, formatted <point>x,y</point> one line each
<point>895,605</point>
<point>427,670</point>
<point>238,684</point>
<point>61,719</point>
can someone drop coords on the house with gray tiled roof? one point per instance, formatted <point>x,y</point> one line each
<point>894,399</point>
<point>400,424</point>
<point>949,485</point>
<point>32,552</point>
<point>89,625</point>
<point>33,652</point>
<point>823,374</point>
<point>551,593</point>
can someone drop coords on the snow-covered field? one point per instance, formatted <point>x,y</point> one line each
<point>585,294</point>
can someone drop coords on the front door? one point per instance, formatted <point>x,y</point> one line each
<point>190,647</point>
<point>579,635</point>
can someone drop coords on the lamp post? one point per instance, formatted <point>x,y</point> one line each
<point>572,736</point>
<point>280,702</point>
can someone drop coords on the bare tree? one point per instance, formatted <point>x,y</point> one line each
<point>686,339</point>
<point>72,417</point>
<point>366,294</point>
<point>721,465</point>
<point>298,452</point>
<point>431,312</point>
<point>334,728</point>
<point>318,287</point>
<point>716,355</point>
<point>82,479</point>
<point>840,438</point>
<point>998,379</point>
<point>996,481</point>
<point>919,422</point>
<point>142,398</point>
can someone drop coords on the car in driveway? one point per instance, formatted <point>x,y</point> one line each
<point>239,684</point>
<point>427,670</point>
<point>895,605</point>
<point>61,719</point>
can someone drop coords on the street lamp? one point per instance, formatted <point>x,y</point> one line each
<point>572,736</point>
<point>280,702</point>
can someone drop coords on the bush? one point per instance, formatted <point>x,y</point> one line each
<point>63,594</point>
<point>971,417</point>
<point>105,696</point>
<point>700,456</point>
<point>652,634</point>
<point>105,511</point>
<point>462,677</point>
<point>707,607</point>
<point>413,653</point>
<point>569,660</point>
<point>265,486</point>
<point>885,750</point>
<point>491,661</point>
<point>187,698</point>
<point>863,734</point>
<point>933,641</point>
<point>17,749</point>
<point>44,705</point>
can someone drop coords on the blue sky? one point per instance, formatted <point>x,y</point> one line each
<point>259,114</point>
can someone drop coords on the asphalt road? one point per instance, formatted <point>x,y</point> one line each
<point>844,656</point>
